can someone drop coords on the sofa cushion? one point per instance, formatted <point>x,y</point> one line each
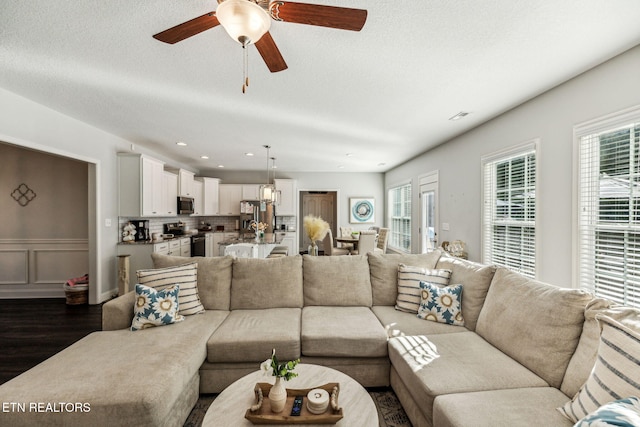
<point>250,336</point>
<point>431,367</point>
<point>534,406</point>
<point>584,357</point>
<point>409,290</point>
<point>397,323</point>
<point>266,283</point>
<point>155,308</point>
<point>616,373</point>
<point>542,323</point>
<point>337,281</point>
<point>185,275</point>
<point>342,331</point>
<point>475,280</point>
<point>214,278</point>
<point>384,272</point>
<point>441,304</point>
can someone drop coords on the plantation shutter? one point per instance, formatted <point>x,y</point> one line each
<point>509,211</point>
<point>608,239</point>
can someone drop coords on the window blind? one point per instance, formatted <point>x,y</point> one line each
<point>608,238</point>
<point>400,217</point>
<point>509,212</point>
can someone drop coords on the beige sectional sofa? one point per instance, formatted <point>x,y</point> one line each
<point>525,349</point>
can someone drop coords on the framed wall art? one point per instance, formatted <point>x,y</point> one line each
<point>361,210</point>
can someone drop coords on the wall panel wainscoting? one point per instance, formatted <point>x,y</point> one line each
<point>37,268</point>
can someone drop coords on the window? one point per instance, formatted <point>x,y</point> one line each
<point>400,217</point>
<point>509,213</point>
<point>608,237</point>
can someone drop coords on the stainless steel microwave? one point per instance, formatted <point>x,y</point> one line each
<point>185,205</point>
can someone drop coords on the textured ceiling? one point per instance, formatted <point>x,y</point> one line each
<point>382,95</point>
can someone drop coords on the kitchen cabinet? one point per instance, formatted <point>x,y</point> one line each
<point>230,197</point>
<point>140,186</point>
<point>170,192</point>
<point>251,192</point>
<point>208,244</point>
<point>185,180</point>
<point>210,195</point>
<point>217,238</point>
<point>185,247</point>
<point>287,188</point>
<point>290,240</point>
<point>198,205</point>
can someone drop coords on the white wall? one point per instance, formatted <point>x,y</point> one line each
<point>608,88</point>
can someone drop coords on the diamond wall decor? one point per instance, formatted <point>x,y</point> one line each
<point>23,194</point>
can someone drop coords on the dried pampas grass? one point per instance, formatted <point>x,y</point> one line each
<point>316,227</point>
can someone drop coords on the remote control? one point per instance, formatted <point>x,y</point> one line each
<point>297,406</point>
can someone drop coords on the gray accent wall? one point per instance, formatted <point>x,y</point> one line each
<point>605,89</point>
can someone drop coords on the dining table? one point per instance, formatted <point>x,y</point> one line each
<point>349,239</point>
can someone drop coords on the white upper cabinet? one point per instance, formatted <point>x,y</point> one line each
<point>185,180</point>
<point>198,205</point>
<point>230,197</point>
<point>140,186</point>
<point>170,193</point>
<point>287,188</point>
<point>210,195</point>
<point>251,192</point>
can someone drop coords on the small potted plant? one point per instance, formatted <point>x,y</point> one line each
<point>278,393</point>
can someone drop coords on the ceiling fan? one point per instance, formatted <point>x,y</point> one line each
<point>248,22</point>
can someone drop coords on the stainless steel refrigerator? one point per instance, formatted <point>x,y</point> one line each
<point>254,210</point>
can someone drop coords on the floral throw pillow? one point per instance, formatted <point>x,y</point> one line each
<point>619,413</point>
<point>441,304</point>
<point>155,308</point>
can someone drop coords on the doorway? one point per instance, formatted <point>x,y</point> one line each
<point>318,203</point>
<point>428,212</point>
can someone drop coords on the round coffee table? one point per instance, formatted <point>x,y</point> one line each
<point>229,407</point>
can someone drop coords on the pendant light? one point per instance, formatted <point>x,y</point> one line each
<point>268,190</point>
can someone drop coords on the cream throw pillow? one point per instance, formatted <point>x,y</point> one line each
<point>616,374</point>
<point>185,275</point>
<point>408,299</point>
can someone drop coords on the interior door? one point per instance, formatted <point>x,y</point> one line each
<point>317,203</point>
<point>429,212</point>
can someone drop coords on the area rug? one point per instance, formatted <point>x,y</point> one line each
<point>390,412</point>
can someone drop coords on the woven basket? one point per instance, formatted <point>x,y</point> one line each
<point>76,295</point>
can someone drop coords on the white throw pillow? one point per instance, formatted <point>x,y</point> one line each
<point>615,375</point>
<point>409,291</point>
<point>184,275</point>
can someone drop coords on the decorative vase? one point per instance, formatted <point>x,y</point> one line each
<point>313,249</point>
<point>278,396</point>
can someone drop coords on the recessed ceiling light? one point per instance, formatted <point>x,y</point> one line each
<point>181,144</point>
<point>381,164</point>
<point>460,115</point>
<point>220,166</point>
<point>204,157</point>
<point>340,166</point>
<point>349,154</point>
<point>248,154</point>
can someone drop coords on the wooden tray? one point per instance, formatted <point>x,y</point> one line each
<point>260,413</point>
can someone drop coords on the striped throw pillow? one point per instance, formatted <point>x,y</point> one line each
<point>615,375</point>
<point>185,275</point>
<point>409,291</point>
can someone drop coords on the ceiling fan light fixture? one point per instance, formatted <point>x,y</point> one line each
<point>243,20</point>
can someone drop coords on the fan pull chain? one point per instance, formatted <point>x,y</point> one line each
<point>245,76</point>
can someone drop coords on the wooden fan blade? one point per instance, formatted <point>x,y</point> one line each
<point>188,29</point>
<point>270,53</point>
<point>342,18</point>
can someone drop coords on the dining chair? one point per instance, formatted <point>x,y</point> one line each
<point>366,242</point>
<point>329,249</point>
<point>383,237</point>
<point>345,232</point>
<point>239,251</point>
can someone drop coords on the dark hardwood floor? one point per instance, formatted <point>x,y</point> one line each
<point>32,330</point>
